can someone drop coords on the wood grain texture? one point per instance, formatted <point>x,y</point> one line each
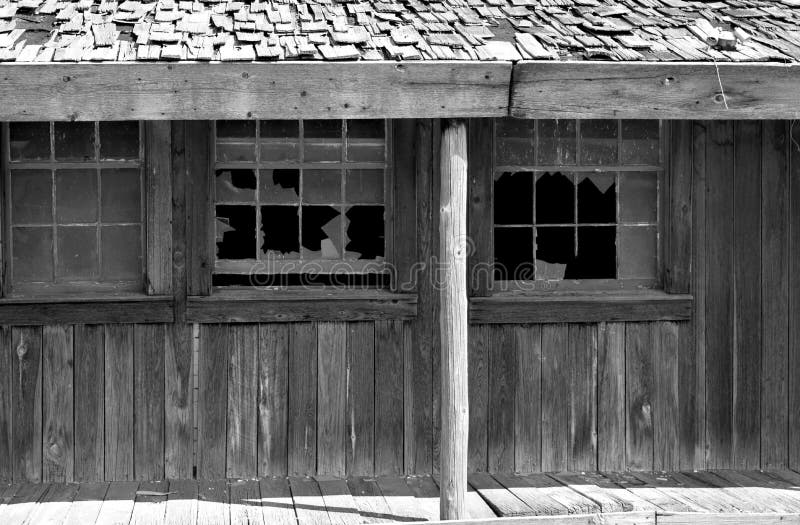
<point>119,399</point>
<point>404,192</point>
<point>527,402</point>
<point>273,392</point>
<point>639,345</point>
<point>178,183</point>
<point>660,90</point>
<point>6,403</point>
<point>178,403</point>
<point>794,296</point>
<point>242,412</point>
<point>688,398</point>
<point>388,397</point>
<point>360,424</point>
<point>666,423</point>
<point>158,196</point>
<point>302,399</point>
<point>332,398</point>
<point>479,205</point>
<point>58,452</point>
<point>678,228</point>
<point>478,374</point>
<point>89,391</point>
<point>26,392</point>
<point>611,409</point>
<point>583,397</point>
<point>287,90</point>
<point>199,253</point>
<point>212,402</point>
<point>92,311</point>
<point>556,392</point>
<point>501,397</point>
<point>150,341</point>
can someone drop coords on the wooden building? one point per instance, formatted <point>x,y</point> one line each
<point>235,236</point>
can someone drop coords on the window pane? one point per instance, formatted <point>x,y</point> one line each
<point>598,142</point>
<point>33,254</point>
<point>597,198</point>
<point>76,196</point>
<point>280,140</point>
<point>280,129</point>
<point>514,144</point>
<point>236,232</point>
<point>555,199</point>
<point>322,186</point>
<point>513,198</point>
<point>364,186</point>
<point>236,129</point>
<point>322,237</point>
<point>74,141</point>
<point>555,246</point>
<point>557,143</point>
<point>366,129</point>
<point>236,185</point>
<point>76,253</point>
<point>31,196</point>
<point>638,252</point>
<point>280,186</point>
<point>280,226</point>
<point>640,144</point>
<point>236,152</point>
<point>638,199</point>
<point>119,140</point>
<point>322,129</point>
<point>365,232</point>
<point>279,151</point>
<point>513,254</point>
<point>323,140</point>
<point>29,140</point>
<point>122,252</point>
<point>597,254</point>
<point>365,140</point>
<point>120,195</point>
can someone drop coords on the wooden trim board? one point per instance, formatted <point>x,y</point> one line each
<point>46,311</point>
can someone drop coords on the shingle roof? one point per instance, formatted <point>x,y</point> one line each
<point>230,30</point>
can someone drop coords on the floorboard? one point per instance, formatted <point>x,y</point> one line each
<point>54,505</point>
<point>308,502</point>
<point>744,500</point>
<point>277,507</point>
<point>341,506</point>
<point>87,503</point>
<point>182,502</point>
<point>540,503</point>
<point>118,503</point>
<point>23,503</point>
<point>245,502</point>
<point>151,503</point>
<point>647,492</point>
<point>574,502</point>
<point>739,481</point>
<point>426,495</point>
<point>369,499</point>
<point>213,507</point>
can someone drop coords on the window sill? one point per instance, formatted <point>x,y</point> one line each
<point>283,306</point>
<point>85,309</point>
<point>652,305</point>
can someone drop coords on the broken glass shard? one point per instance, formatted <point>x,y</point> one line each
<point>597,198</point>
<point>280,227</point>
<point>280,186</point>
<point>236,232</point>
<point>237,185</point>
<point>321,232</point>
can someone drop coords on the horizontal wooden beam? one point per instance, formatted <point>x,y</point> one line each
<point>655,90</point>
<point>274,90</point>
<point>41,311</point>
<point>580,309</point>
<point>225,308</point>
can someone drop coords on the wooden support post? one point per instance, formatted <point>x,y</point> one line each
<point>453,260</point>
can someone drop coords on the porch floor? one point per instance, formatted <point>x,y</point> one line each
<point>688,497</point>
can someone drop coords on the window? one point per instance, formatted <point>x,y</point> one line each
<point>576,203</point>
<point>300,202</point>
<point>74,206</point>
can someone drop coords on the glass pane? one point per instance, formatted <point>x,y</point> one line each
<point>29,140</point>
<point>597,198</point>
<point>280,140</point>
<point>236,152</point>
<point>322,232</point>
<point>322,129</point>
<point>513,254</point>
<point>638,253</point>
<point>555,252</point>
<point>597,254</point>
<point>598,142</point>
<point>323,140</point>
<point>640,144</point>
<point>77,253</point>
<point>364,186</point>
<point>280,185</point>
<point>119,140</point>
<point>557,143</point>
<point>122,253</point>
<point>366,129</point>
<point>236,232</point>
<point>76,196</point>
<point>236,129</point>
<point>365,232</point>
<point>236,185</point>
<point>31,197</point>
<point>322,186</point>
<point>120,196</point>
<point>280,226</point>
<point>279,150</point>
<point>514,144</point>
<point>74,141</point>
<point>638,197</point>
<point>365,140</point>
<point>33,254</point>
<point>513,198</point>
<point>280,129</point>
<point>555,199</point>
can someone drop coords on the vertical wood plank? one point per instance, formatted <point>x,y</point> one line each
<point>119,402</point>
<point>388,397</point>
<point>479,205</point>
<point>178,404</point>
<point>747,296</point>
<point>775,312</point>
<point>89,388</point>
<point>719,303</point>
<point>212,401</point>
<point>436,349</point>
<point>26,384</point>
<point>360,458</point>
<point>199,255</point>
<point>666,423</point>
<point>556,378</point>
<point>273,392</point>
<point>639,395</point>
<point>242,411</point>
<point>502,397</point>
<point>158,178</point>
<point>302,399</point>
<point>678,253</point>
<point>688,397</point>
<point>405,220</point>
<point>6,422</point>
<point>332,398</point>
<point>179,171</point>
<point>148,402</point>
<point>583,397</point>
<point>611,397</point>
<point>479,343</point>
<point>58,453</point>
<point>527,401</point>
<point>794,298</point>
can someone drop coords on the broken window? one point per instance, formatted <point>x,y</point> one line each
<point>300,198</point>
<point>576,202</point>
<point>75,195</point>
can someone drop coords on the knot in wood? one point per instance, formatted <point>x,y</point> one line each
<point>22,349</point>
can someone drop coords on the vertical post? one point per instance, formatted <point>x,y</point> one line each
<point>453,294</point>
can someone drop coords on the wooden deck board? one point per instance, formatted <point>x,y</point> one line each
<point>87,503</point>
<point>401,499</point>
<point>55,504</point>
<point>426,494</point>
<point>308,502</point>
<point>245,502</point>
<point>502,500</point>
<point>23,503</point>
<point>369,499</point>
<point>610,496</point>
<point>338,501</point>
<point>757,490</point>
<point>182,502</point>
<point>541,504</point>
<point>647,492</point>
<point>574,502</point>
<point>151,503</point>
<point>743,499</point>
<point>666,482</point>
<point>276,502</point>
<point>118,502</point>
<point>213,507</point>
